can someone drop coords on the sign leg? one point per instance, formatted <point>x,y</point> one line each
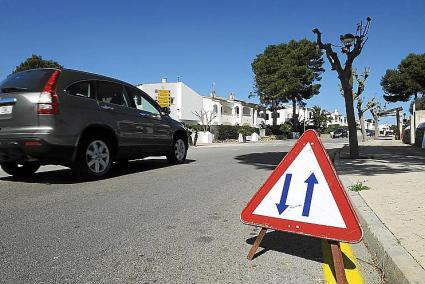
<point>256,243</point>
<point>338,263</point>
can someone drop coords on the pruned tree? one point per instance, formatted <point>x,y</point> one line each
<point>375,111</point>
<point>287,72</point>
<point>358,97</point>
<point>205,118</point>
<point>352,46</point>
<point>35,62</point>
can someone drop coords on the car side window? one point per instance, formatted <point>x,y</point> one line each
<point>141,103</point>
<point>81,89</point>
<point>112,93</point>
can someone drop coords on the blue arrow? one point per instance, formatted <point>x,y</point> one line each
<point>311,181</point>
<point>282,205</point>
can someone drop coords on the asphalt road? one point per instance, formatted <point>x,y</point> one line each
<point>154,223</point>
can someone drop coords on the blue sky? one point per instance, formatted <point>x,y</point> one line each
<point>203,41</point>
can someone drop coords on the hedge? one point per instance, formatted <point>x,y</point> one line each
<point>225,132</point>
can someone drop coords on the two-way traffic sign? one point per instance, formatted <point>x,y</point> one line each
<point>303,195</point>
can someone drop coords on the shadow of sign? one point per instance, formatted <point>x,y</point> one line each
<point>310,248</point>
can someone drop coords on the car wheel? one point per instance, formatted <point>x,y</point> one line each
<point>94,158</point>
<point>178,152</point>
<point>20,170</point>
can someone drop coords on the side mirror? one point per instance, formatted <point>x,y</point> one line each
<point>165,110</point>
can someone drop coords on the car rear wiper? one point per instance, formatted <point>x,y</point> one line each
<point>13,89</point>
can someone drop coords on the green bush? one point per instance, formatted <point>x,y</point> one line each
<point>245,130</point>
<point>286,128</point>
<point>196,127</point>
<point>419,134</point>
<point>224,132</point>
<point>273,130</point>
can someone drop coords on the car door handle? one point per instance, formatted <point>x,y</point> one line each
<point>107,107</point>
<point>143,114</point>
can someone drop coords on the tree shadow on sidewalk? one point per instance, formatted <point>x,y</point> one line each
<point>383,160</point>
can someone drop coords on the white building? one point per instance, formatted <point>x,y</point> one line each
<point>230,111</point>
<point>384,129</point>
<point>285,114</point>
<point>185,102</point>
<point>369,124</point>
<point>337,118</point>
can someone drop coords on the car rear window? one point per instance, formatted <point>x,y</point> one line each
<point>32,80</point>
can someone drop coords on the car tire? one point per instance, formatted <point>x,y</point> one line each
<point>20,170</point>
<point>178,152</point>
<point>94,158</point>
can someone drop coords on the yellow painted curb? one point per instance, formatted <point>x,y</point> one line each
<point>351,266</point>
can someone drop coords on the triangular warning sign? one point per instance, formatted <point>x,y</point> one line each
<point>303,195</point>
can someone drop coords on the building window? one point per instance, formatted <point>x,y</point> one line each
<point>215,109</point>
<point>267,116</point>
<point>246,111</point>
<point>236,111</point>
<point>278,115</point>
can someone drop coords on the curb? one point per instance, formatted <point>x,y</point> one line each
<point>396,263</point>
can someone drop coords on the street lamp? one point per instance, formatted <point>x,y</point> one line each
<point>347,40</point>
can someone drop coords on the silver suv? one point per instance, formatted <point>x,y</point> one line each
<point>83,121</point>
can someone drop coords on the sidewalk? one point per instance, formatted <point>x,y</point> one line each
<point>393,209</point>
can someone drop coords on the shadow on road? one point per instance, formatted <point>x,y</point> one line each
<point>269,160</point>
<point>65,176</point>
<point>297,245</point>
<point>266,160</point>
<point>383,160</point>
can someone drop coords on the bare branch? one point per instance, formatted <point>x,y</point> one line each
<point>330,54</point>
<point>205,118</point>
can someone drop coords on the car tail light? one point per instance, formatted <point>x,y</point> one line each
<point>48,102</point>
<point>32,143</point>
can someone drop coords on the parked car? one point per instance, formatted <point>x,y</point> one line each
<point>340,133</point>
<point>370,133</point>
<point>81,120</point>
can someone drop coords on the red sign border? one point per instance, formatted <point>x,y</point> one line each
<point>352,234</point>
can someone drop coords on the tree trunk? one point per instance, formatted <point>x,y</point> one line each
<point>351,120</point>
<point>376,119</point>
<point>294,113</point>
<point>362,127</point>
<point>274,113</point>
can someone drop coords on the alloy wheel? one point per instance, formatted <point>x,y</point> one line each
<point>97,156</point>
<point>180,149</point>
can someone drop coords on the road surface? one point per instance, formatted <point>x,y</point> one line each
<point>155,223</point>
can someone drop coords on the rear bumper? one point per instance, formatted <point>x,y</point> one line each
<point>34,149</point>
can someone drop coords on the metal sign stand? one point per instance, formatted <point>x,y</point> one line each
<point>335,249</point>
<point>338,262</point>
<point>256,243</point>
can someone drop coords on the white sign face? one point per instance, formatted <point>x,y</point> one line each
<point>302,194</point>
